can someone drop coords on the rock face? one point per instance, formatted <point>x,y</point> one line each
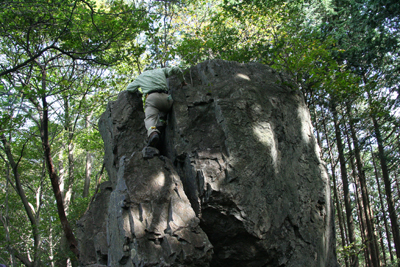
<point>239,181</point>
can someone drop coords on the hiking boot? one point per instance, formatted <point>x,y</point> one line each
<point>153,139</point>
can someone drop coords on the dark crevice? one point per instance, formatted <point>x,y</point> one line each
<point>103,258</point>
<point>184,169</point>
<point>202,103</point>
<point>124,260</point>
<point>233,245</point>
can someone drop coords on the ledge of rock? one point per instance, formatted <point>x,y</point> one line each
<point>238,181</point>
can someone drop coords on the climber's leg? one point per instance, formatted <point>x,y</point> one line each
<point>150,120</point>
<point>161,121</point>
<point>156,103</point>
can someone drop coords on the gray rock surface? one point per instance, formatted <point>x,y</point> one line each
<point>92,229</point>
<point>239,181</point>
<point>149,152</point>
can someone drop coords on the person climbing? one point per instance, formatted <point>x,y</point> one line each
<point>156,99</point>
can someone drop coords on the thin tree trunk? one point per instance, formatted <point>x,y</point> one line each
<point>38,198</point>
<point>71,176</point>
<point>88,169</point>
<point>44,134</point>
<point>335,191</point>
<point>316,127</point>
<point>347,201</point>
<point>68,179</point>
<point>51,246</point>
<point>385,175</point>
<point>5,218</point>
<point>382,247</point>
<point>397,186</point>
<point>62,244</point>
<point>360,209</point>
<point>70,153</point>
<point>340,214</point>
<point>21,192</point>
<point>362,219</point>
<point>388,235</point>
<point>61,170</point>
<point>88,172</point>
<point>370,228</point>
<point>388,187</point>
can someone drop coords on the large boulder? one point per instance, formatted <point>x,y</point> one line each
<point>239,181</point>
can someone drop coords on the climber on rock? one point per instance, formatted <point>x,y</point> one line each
<point>156,99</point>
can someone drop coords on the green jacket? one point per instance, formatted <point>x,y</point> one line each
<point>152,80</point>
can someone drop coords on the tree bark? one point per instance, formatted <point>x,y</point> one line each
<point>61,171</point>
<point>5,218</point>
<point>70,153</point>
<point>28,210</point>
<point>388,235</point>
<point>340,213</point>
<point>382,247</point>
<point>360,207</point>
<point>335,190</point>
<point>370,228</point>
<point>44,134</point>
<point>361,215</point>
<point>88,172</point>
<point>51,246</point>
<point>347,201</point>
<point>388,187</point>
<point>88,169</point>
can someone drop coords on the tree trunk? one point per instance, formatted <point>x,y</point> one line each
<point>382,247</point>
<point>397,186</point>
<point>5,218</point>
<point>88,169</point>
<point>359,205</point>
<point>361,215</point>
<point>335,191</point>
<point>44,134</point>
<point>340,213</point>
<point>70,153</point>
<point>388,235</point>
<point>316,126</point>
<point>88,172</point>
<point>62,244</point>
<point>370,228</point>
<point>51,246</point>
<point>388,187</point>
<point>347,201</point>
<point>71,175</point>
<point>61,170</point>
<point>28,210</point>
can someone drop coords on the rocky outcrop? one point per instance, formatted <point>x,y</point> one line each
<point>239,181</point>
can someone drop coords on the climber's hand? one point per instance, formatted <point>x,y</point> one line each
<point>183,84</point>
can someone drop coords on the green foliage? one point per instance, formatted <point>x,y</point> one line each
<point>394,263</point>
<point>78,208</point>
<point>350,250</point>
<point>77,29</point>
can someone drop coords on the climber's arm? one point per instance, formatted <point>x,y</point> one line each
<point>133,87</point>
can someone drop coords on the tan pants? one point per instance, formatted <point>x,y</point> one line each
<point>155,103</point>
